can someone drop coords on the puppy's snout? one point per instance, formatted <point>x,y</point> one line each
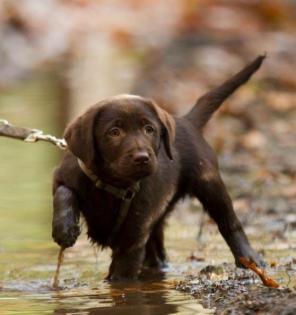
<point>141,158</point>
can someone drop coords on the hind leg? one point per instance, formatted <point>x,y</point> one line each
<point>212,193</point>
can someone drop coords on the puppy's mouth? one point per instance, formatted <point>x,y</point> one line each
<point>133,172</point>
<point>139,172</point>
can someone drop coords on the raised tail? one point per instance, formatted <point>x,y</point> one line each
<point>208,103</point>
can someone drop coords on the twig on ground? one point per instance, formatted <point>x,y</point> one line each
<point>55,283</point>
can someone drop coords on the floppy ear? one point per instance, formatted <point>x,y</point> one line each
<point>79,136</point>
<point>168,128</point>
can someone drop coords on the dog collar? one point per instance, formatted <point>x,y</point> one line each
<point>126,195</point>
<point>120,193</point>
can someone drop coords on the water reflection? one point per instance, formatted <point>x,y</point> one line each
<point>145,297</point>
<point>139,298</point>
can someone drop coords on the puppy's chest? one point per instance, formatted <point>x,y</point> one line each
<point>102,208</point>
<point>151,203</point>
<point>101,203</point>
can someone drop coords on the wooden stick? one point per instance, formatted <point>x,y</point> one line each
<point>55,284</point>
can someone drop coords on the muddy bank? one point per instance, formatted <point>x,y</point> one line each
<point>231,290</point>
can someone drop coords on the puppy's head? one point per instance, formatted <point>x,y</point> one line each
<point>122,136</point>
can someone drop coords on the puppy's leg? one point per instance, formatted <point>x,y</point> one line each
<point>155,254</point>
<point>211,192</point>
<point>140,241</point>
<point>126,264</point>
<point>65,222</point>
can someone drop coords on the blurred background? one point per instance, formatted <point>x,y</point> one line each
<point>57,57</point>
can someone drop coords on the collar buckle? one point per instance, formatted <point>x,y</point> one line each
<point>129,195</point>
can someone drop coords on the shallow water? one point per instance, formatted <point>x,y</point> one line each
<point>154,297</point>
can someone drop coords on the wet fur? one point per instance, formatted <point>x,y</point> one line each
<point>184,165</point>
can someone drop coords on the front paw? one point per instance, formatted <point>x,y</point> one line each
<point>65,230</point>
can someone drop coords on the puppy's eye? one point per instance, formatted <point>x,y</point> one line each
<point>114,132</point>
<point>148,129</point>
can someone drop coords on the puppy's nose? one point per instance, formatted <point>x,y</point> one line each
<point>141,158</point>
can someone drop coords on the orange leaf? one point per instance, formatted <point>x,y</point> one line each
<point>267,281</point>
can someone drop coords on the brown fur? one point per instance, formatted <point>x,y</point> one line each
<point>128,139</point>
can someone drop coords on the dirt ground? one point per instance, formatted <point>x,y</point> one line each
<point>236,291</point>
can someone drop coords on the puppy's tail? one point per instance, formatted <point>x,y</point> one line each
<point>208,103</point>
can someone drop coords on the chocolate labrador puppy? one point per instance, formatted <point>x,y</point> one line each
<point>128,163</point>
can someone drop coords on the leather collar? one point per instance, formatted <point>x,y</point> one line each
<point>120,193</point>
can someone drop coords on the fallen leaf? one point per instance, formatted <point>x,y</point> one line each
<point>267,281</point>
<point>192,257</point>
